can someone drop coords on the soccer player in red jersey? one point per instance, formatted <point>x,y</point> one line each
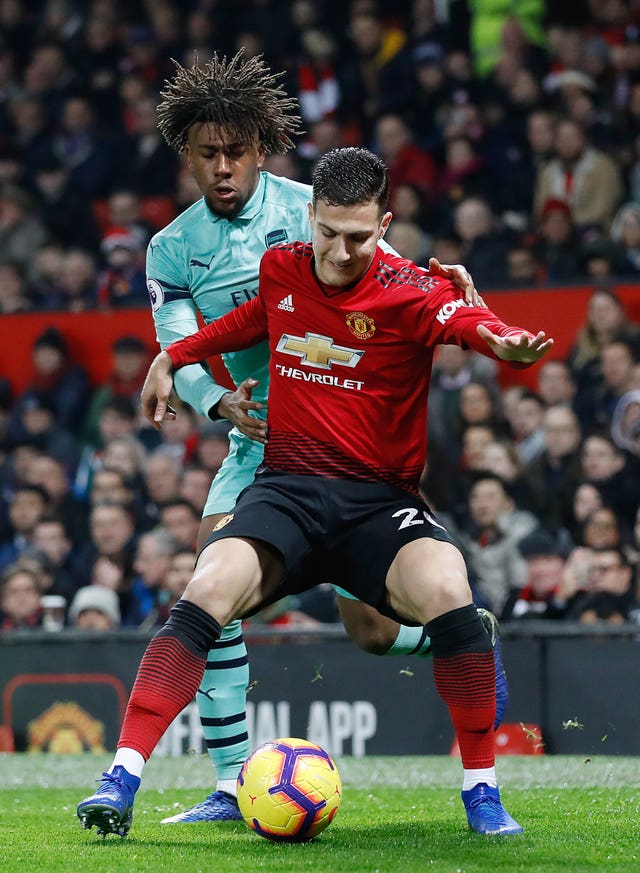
<point>352,332</point>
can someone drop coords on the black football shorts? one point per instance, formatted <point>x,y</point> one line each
<point>331,529</point>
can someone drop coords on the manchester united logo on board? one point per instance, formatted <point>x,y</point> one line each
<point>361,326</point>
<point>65,728</point>
<point>223,521</point>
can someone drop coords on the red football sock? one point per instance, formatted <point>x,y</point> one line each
<point>464,674</point>
<point>168,678</point>
<point>466,683</point>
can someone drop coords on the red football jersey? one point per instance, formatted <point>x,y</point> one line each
<point>350,367</point>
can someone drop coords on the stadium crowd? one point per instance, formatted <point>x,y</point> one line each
<point>513,142</point>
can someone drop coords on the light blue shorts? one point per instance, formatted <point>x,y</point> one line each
<point>235,473</point>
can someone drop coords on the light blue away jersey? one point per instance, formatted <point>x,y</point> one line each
<point>208,264</point>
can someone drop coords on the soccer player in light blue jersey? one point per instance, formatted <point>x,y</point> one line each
<point>226,116</point>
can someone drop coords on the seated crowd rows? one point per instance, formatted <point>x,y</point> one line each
<point>519,157</point>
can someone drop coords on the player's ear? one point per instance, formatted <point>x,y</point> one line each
<point>384,224</point>
<point>261,155</point>
<point>187,156</point>
<point>310,211</point>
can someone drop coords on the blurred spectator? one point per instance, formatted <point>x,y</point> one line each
<point>195,485</point>
<point>151,564</point>
<point>181,520</point>
<point>51,538</point>
<point>598,586</point>
<point>91,156</point>
<point>614,475</point>
<point>557,243</point>
<point>123,283</point>
<point>129,362</point>
<point>28,505</point>
<point>213,445</point>
<point>21,229</point>
<point>126,454</point>
<point>555,386</point>
<point>65,212</point>
<point>95,608</point>
<point>152,165</point>
<point>19,599</point>
<point>545,565</point>
<point>601,530</point>
<point>501,457</point>
<point>408,164</point>
<point>117,418</point>
<point>554,474</point>
<point>489,538</point>
<point>78,282</point>
<point>162,475</point>
<point>58,377</point>
<point>409,241</point>
<point>606,321</point>
<point>601,259</point>
<point>34,422</point>
<point>625,424</point>
<point>366,76</point>
<point>526,426</point>
<point>407,203</point>
<point>617,363</point>
<point>586,178</point>
<point>625,232</point>
<point>480,405</point>
<point>52,474</point>
<point>48,269</point>
<point>180,435</point>
<point>111,535</point>
<point>109,484</point>
<point>464,174</point>
<point>178,576</point>
<point>318,88</point>
<point>15,293</point>
<point>496,29</point>
<point>125,213</point>
<point>30,127</point>
<point>484,246</point>
<point>524,268</point>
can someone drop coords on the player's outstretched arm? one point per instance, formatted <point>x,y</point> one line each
<point>519,347</point>
<point>460,277</point>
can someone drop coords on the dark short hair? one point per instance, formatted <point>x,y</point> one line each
<point>349,176</point>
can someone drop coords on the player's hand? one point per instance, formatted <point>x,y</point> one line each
<point>523,348</point>
<point>460,277</point>
<point>235,406</point>
<point>157,390</point>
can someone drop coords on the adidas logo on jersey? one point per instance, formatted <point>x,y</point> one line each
<point>287,303</point>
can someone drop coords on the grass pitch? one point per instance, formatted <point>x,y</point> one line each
<point>398,815</point>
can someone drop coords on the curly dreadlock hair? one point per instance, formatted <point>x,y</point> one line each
<point>241,94</point>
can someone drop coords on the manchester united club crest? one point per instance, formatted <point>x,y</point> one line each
<point>223,521</point>
<point>361,326</point>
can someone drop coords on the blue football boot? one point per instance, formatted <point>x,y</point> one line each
<point>110,809</point>
<point>502,689</point>
<point>485,812</point>
<point>218,806</point>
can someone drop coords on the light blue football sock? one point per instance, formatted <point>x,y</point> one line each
<point>222,701</point>
<point>411,641</point>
